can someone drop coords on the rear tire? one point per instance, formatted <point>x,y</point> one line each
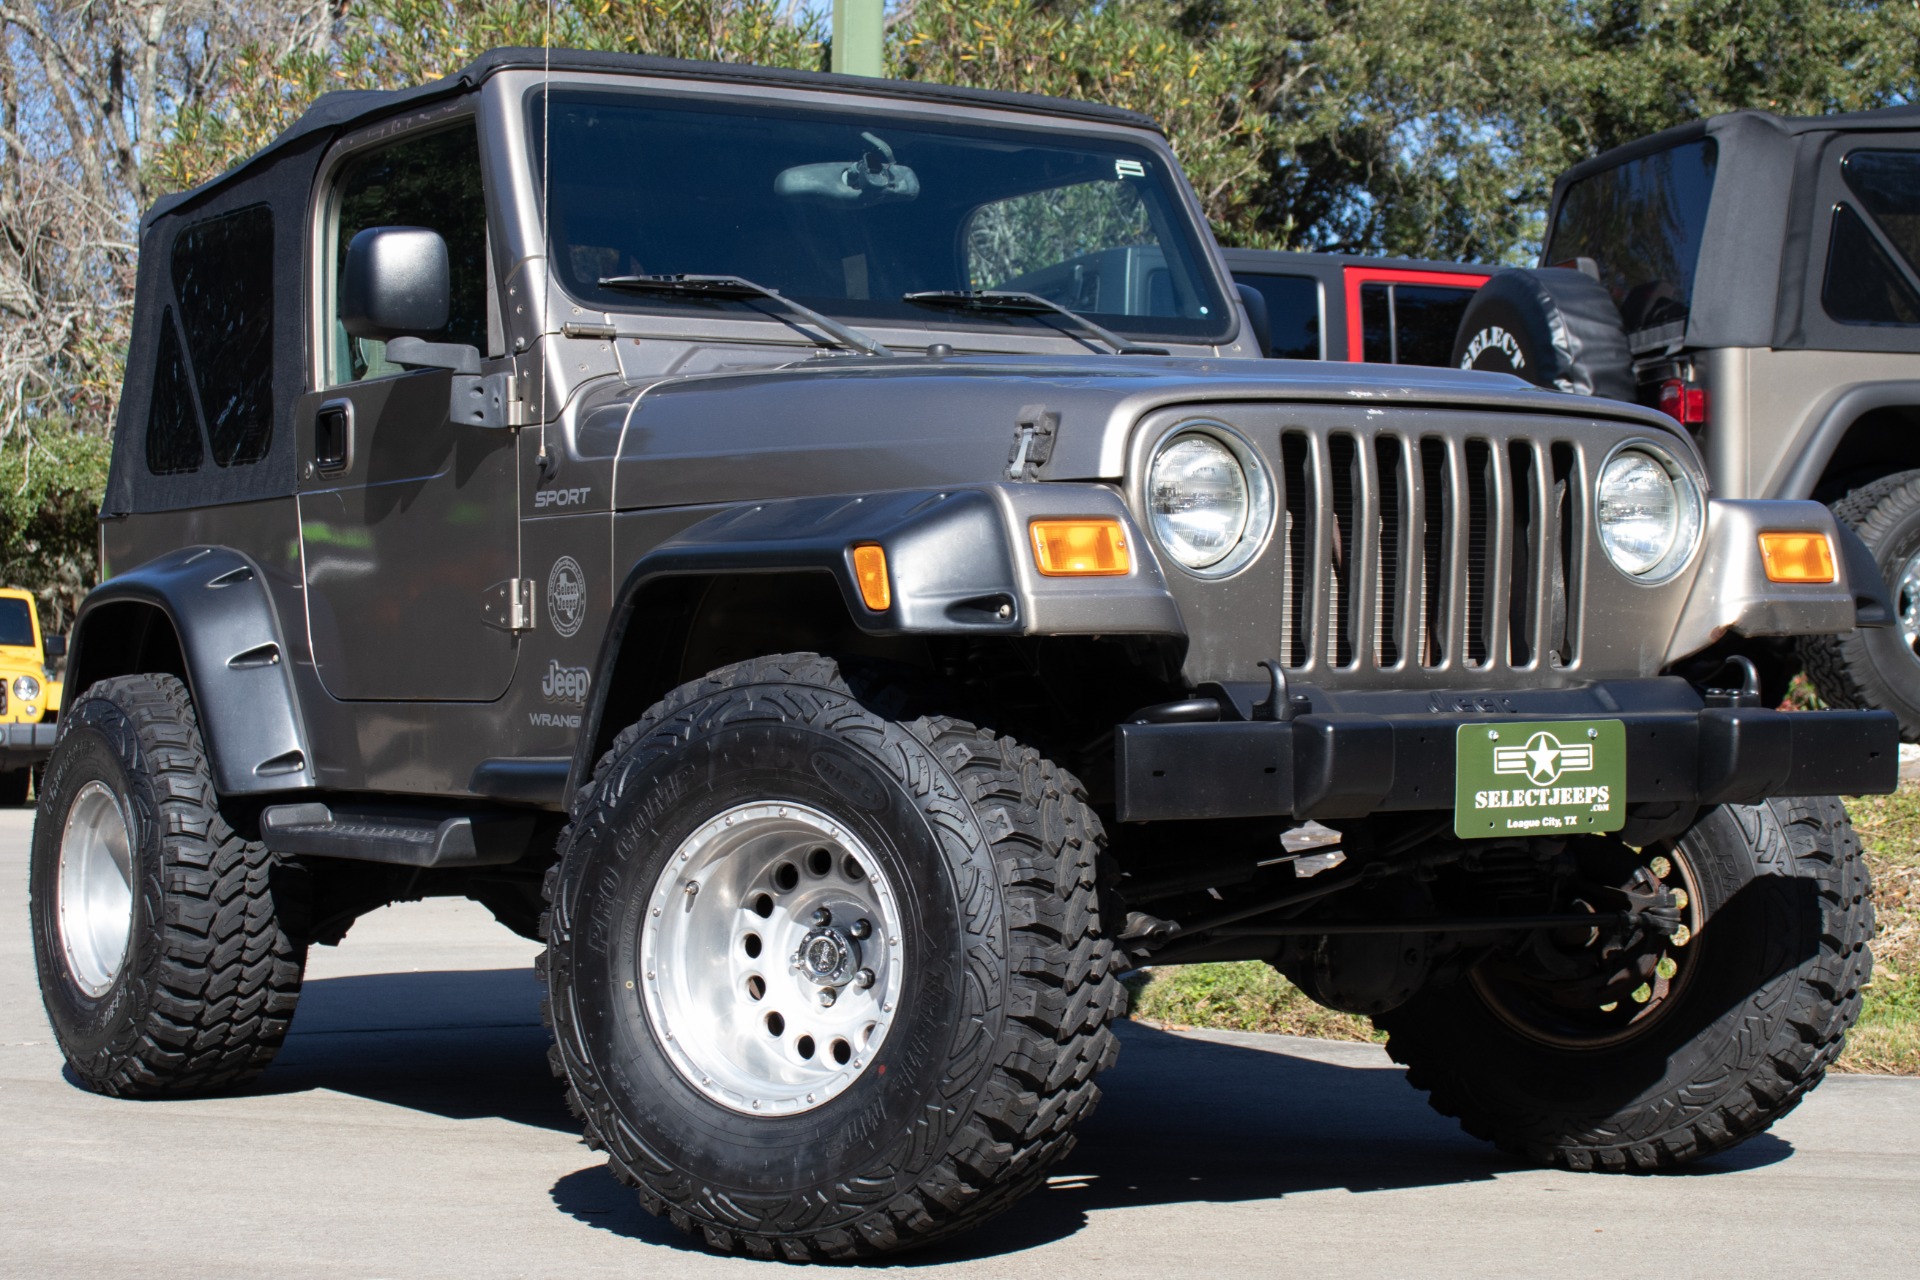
<point>164,960</point>
<point>1879,667</point>
<point>1004,972</point>
<point>1786,913</point>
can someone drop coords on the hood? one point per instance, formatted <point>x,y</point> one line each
<point>839,424</point>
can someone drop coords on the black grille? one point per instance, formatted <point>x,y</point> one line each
<point>1403,549</point>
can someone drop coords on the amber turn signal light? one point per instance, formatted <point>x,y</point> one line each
<point>1797,557</point>
<point>870,568</point>
<point>1081,548</point>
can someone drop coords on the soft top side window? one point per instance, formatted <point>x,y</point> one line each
<point>173,426</point>
<point>223,281</point>
<point>430,180</point>
<point>1871,279</point>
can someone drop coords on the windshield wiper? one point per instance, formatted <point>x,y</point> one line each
<point>1031,304</point>
<point>736,288</point>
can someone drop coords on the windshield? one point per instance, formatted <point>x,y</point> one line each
<point>846,211</point>
<point>16,622</point>
<point>1641,223</point>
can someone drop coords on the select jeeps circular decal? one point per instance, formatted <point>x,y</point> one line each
<point>566,595</point>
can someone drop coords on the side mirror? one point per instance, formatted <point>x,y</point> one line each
<point>395,283</point>
<point>1256,306</point>
<point>54,646</point>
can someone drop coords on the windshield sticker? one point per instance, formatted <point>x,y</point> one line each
<point>1129,169</point>
<point>567,595</point>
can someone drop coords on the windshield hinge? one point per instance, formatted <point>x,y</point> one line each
<point>487,400</point>
<point>509,605</point>
<point>1032,442</point>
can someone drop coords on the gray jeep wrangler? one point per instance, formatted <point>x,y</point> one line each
<point>1758,278</point>
<point>841,579</point>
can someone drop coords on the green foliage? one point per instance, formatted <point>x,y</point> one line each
<point>50,492</point>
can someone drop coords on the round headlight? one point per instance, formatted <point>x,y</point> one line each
<point>26,689</point>
<point>1648,513</point>
<point>1206,501</point>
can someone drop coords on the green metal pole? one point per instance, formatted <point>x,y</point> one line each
<point>859,37</point>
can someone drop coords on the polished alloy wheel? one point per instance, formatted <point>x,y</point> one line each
<point>770,958</point>
<point>1907,600</point>
<point>95,889</point>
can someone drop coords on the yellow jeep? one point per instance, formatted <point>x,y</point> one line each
<point>29,695</point>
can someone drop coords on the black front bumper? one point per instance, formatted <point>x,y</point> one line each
<point>24,745</point>
<point>1348,755</point>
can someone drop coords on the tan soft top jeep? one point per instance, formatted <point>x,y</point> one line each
<point>822,554</point>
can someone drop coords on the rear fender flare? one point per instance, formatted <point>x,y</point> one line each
<point>215,600</point>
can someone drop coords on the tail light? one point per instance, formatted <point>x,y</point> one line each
<point>1684,402</point>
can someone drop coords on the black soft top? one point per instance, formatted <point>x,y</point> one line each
<point>279,179</point>
<point>343,109</point>
<point>1763,250</point>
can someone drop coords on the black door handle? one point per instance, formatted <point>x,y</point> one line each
<point>333,437</point>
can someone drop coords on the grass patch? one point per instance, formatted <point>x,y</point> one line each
<point>1245,996</point>
<point>1251,996</point>
<point>1887,1037</point>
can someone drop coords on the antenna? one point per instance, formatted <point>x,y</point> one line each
<point>544,459</point>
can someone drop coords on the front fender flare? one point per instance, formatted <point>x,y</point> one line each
<point>958,559</point>
<point>236,661</point>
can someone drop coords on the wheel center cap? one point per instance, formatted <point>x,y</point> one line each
<point>826,955</point>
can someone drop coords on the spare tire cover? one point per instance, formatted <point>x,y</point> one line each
<point>1555,327</point>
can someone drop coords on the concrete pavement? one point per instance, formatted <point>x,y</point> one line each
<point>410,1128</point>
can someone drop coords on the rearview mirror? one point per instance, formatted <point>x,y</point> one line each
<point>54,646</point>
<point>872,179</point>
<point>395,283</point>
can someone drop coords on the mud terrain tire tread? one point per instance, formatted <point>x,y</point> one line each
<point>1840,666</point>
<point>217,974</point>
<point>1062,986</point>
<point>1729,1100</point>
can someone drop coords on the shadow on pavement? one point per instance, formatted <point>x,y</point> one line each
<point>1183,1120</point>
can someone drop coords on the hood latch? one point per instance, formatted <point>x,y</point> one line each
<point>1032,442</point>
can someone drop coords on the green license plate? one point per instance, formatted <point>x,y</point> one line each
<point>1539,778</point>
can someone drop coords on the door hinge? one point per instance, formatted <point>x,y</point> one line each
<point>1032,442</point>
<point>509,605</point>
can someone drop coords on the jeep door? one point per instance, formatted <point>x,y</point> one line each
<point>408,520</point>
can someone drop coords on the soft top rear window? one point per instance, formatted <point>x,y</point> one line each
<point>1641,223</point>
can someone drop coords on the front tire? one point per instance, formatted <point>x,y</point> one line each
<point>1784,914</point>
<point>1879,667</point>
<point>164,958</point>
<point>970,860</point>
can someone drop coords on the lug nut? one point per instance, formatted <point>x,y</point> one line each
<point>823,917</point>
<point>863,979</point>
<point>1660,867</point>
<point>827,997</point>
<point>861,929</point>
